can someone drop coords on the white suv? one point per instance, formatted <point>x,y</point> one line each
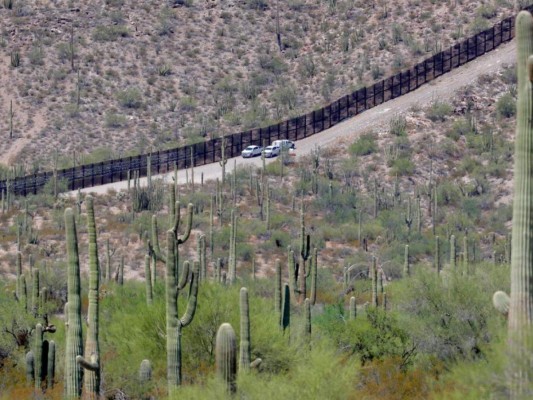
<point>284,144</point>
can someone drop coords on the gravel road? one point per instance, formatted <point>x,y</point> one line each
<point>442,88</point>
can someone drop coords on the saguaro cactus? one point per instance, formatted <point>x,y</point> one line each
<point>521,307</point>
<point>91,378</point>
<point>232,259</point>
<point>406,265</point>
<point>307,319</point>
<point>35,290</point>
<point>30,367</point>
<point>314,276</point>
<point>305,247</point>
<point>145,371</point>
<point>73,372</point>
<point>374,276</point>
<point>148,280</point>
<point>277,290</point>
<point>453,252</point>
<point>172,289</point>
<point>286,308</point>
<point>50,374</point>
<point>226,356</point>
<point>245,345</point>
<point>38,353</point>
<point>353,309</point>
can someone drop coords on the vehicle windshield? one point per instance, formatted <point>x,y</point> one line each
<point>250,148</point>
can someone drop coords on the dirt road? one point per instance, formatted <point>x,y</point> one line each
<point>442,88</point>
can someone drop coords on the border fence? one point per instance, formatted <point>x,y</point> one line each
<point>297,128</point>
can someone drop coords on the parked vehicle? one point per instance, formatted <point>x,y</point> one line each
<point>284,144</point>
<point>271,151</point>
<point>251,151</point>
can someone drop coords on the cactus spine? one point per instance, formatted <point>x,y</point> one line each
<point>172,289</point>
<point>226,356</point>
<point>245,344</point>
<point>73,372</point>
<point>91,378</point>
<point>521,307</point>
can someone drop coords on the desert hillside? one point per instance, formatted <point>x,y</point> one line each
<point>100,79</point>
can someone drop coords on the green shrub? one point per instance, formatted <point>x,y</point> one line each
<point>398,125</point>
<point>506,106</point>
<point>439,110</point>
<point>130,98</point>
<point>104,33</point>
<point>402,166</point>
<point>114,120</point>
<point>364,145</point>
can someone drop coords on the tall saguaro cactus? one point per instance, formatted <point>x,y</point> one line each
<point>91,364</point>
<point>73,372</point>
<point>226,356</point>
<point>245,345</point>
<point>232,259</point>
<point>521,307</point>
<point>172,289</point>
<point>305,251</point>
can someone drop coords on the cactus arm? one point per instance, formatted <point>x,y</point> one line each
<point>154,244</point>
<point>93,365</point>
<point>184,276</point>
<point>188,227</point>
<point>193,297</point>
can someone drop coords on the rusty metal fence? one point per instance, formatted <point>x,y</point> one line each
<point>294,129</point>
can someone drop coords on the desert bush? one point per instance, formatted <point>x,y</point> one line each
<point>402,166</point>
<point>130,98</point>
<point>104,33</point>
<point>506,106</point>
<point>114,120</point>
<point>438,111</point>
<point>450,317</point>
<point>364,145</point>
